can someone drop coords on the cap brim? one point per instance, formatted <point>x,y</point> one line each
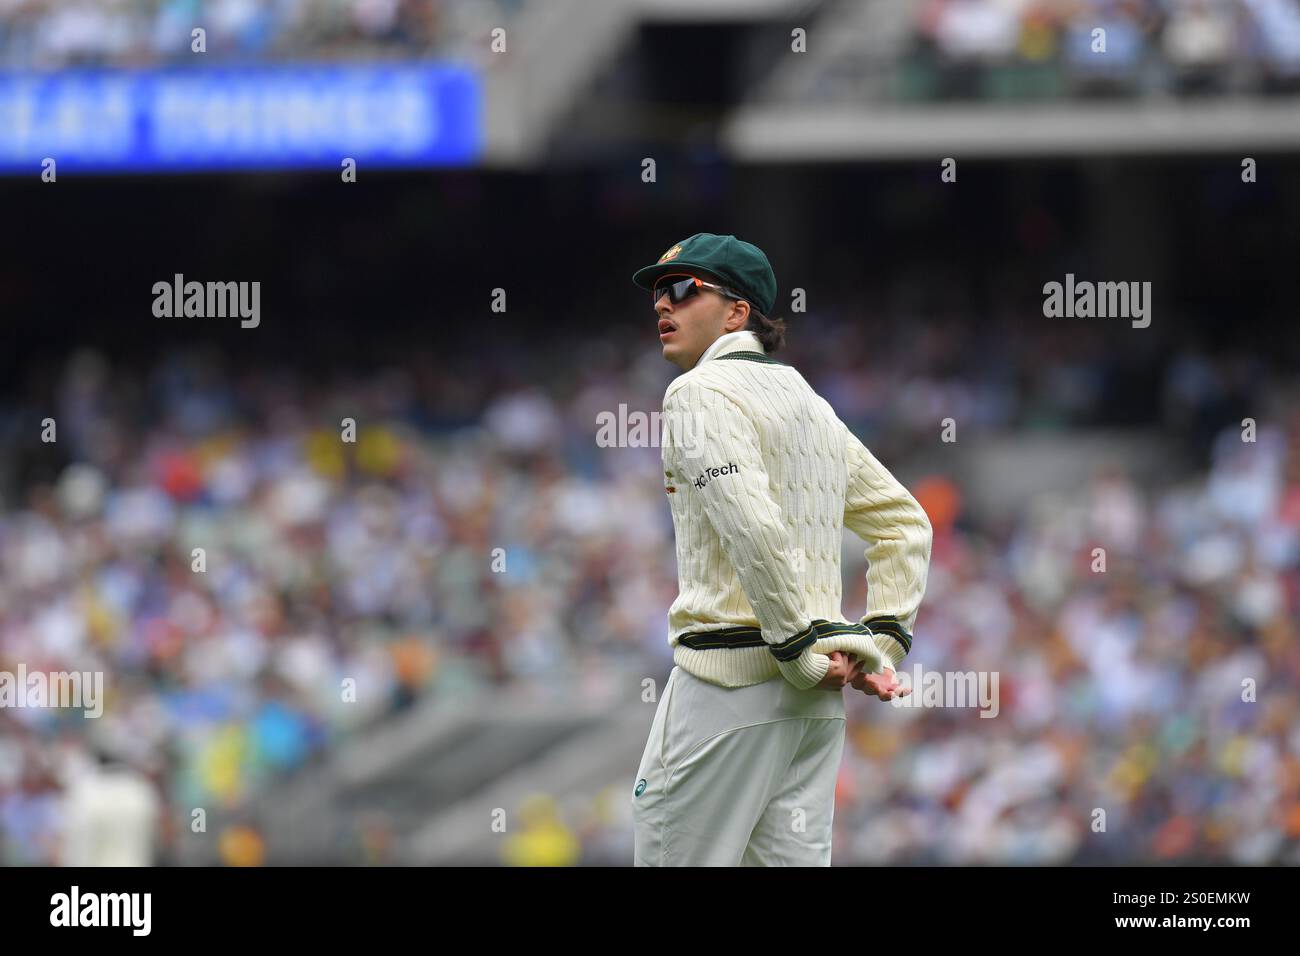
<point>646,277</point>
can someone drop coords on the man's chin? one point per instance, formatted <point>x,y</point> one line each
<point>675,355</point>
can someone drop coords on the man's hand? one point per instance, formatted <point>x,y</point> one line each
<point>885,686</point>
<point>845,669</point>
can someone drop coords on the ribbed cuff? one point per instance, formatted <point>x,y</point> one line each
<point>890,636</point>
<point>806,670</point>
<point>890,650</point>
<point>862,646</point>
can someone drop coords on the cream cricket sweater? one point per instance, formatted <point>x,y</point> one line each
<point>762,477</point>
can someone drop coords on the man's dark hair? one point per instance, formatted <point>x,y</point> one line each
<point>771,332</point>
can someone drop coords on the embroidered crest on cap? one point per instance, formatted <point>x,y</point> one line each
<point>671,253</point>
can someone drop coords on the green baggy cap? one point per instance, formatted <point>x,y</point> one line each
<point>738,264</point>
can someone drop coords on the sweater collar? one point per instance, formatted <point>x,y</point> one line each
<point>742,340</point>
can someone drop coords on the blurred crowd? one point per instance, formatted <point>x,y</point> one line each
<point>954,48</point>
<point>256,587</point>
<point>1029,48</point>
<point>53,34</point>
<point>1163,691</point>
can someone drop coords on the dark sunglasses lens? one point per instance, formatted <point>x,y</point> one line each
<point>676,291</point>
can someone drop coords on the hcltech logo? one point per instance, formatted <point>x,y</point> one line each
<point>709,473</point>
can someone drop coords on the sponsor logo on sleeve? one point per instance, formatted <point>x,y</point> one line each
<point>710,473</point>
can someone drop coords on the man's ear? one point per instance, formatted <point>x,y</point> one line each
<point>741,309</point>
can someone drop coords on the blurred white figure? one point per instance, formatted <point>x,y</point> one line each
<point>111,816</point>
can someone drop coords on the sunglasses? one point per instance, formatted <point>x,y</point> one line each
<point>683,287</point>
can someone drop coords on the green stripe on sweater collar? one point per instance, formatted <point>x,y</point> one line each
<point>748,357</point>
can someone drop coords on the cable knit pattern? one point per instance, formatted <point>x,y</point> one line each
<point>762,478</point>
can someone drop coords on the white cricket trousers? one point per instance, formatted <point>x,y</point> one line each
<point>739,776</point>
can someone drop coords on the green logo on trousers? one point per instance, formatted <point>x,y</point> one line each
<point>640,787</point>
